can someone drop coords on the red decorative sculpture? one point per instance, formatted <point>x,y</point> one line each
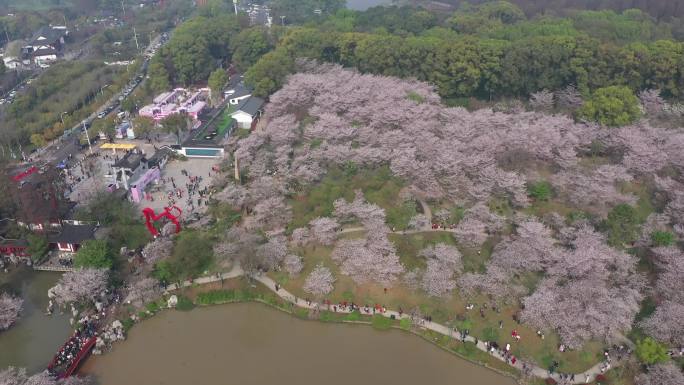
<point>151,217</point>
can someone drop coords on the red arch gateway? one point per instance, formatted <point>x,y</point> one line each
<point>151,217</point>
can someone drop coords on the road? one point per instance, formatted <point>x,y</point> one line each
<point>60,149</point>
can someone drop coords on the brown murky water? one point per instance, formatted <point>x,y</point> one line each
<point>35,338</point>
<point>247,344</point>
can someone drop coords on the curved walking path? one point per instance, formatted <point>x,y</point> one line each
<point>403,232</point>
<point>580,378</point>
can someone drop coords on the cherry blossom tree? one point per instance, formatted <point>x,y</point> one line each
<point>80,286</point>
<point>368,260</point>
<point>665,324</point>
<point>143,290</point>
<point>569,98</point>
<point>651,101</point>
<point>580,310</point>
<point>42,378</point>
<point>324,230</point>
<point>157,250</point>
<point>471,232</point>
<point>319,282</point>
<point>13,376</point>
<point>589,279</point>
<point>596,188</point>
<point>448,256</point>
<point>300,236</point>
<point>373,258</point>
<point>477,224</point>
<point>443,261</point>
<point>670,263</point>
<point>77,380</point>
<point>242,244</point>
<point>654,222</point>
<point>10,308</point>
<point>495,282</point>
<point>412,279</point>
<point>419,222</point>
<point>531,250</point>
<point>645,149</point>
<point>270,214</point>
<point>661,374</point>
<point>233,194</point>
<point>273,252</point>
<point>293,264</point>
<point>542,100</point>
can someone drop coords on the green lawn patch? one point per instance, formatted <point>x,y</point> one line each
<point>380,322</point>
<point>377,184</point>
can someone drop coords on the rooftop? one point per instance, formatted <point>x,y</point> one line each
<point>250,105</point>
<point>130,161</point>
<point>74,234</point>
<point>50,35</point>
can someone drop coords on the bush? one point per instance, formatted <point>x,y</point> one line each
<point>192,255</point>
<point>613,106</point>
<point>184,303</point>
<point>37,247</point>
<point>622,225</point>
<point>94,253</point>
<point>651,352</point>
<point>540,191</point>
<point>662,238</point>
<point>127,324</point>
<point>380,322</point>
<point>152,307</point>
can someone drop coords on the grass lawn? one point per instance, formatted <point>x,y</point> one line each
<point>448,311</point>
<point>378,185</point>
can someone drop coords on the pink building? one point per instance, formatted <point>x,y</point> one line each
<point>178,101</point>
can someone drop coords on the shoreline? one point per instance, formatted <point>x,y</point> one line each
<point>289,302</point>
<point>482,364</point>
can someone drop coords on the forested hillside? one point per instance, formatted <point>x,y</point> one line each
<point>657,8</point>
<point>490,51</point>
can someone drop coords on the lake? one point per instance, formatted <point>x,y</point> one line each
<point>253,344</point>
<point>35,338</point>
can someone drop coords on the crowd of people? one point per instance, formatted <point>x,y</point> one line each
<point>70,351</point>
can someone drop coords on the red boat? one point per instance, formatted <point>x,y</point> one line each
<point>72,353</point>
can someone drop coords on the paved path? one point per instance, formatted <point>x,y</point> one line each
<point>580,378</point>
<point>402,232</point>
